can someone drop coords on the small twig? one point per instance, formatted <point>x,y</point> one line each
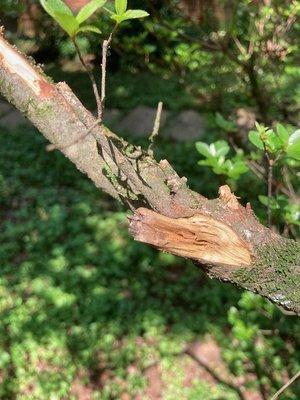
<point>270,162</point>
<point>251,48</point>
<point>293,379</point>
<point>215,375</point>
<point>288,182</point>
<point>52,147</point>
<point>105,46</point>
<point>92,78</point>
<point>156,125</point>
<point>239,46</point>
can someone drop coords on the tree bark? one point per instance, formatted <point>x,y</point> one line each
<point>220,235</point>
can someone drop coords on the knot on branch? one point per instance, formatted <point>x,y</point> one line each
<point>228,197</point>
<point>174,183</point>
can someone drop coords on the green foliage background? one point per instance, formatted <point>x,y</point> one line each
<point>80,300</point>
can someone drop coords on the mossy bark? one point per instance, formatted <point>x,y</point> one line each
<point>275,273</point>
<point>136,178</point>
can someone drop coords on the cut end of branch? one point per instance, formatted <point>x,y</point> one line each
<point>199,237</point>
<point>14,62</point>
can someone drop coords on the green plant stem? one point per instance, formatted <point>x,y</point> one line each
<point>92,78</point>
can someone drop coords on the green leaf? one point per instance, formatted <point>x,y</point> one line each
<point>272,142</point>
<point>205,162</point>
<point>293,148</point>
<point>237,168</point>
<point>89,10</point>
<point>68,23</point>
<point>88,28</point>
<point>292,213</point>
<point>255,139</point>
<point>62,15</point>
<point>117,18</point>
<point>56,7</point>
<point>265,201</point>
<point>227,126</point>
<point>282,134</point>
<point>120,6</point>
<point>222,148</point>
<point>203,149</point>
<point>129,14</point>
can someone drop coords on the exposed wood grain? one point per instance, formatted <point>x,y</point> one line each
<point>199,237</point>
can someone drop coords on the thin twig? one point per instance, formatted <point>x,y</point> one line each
<point>157,120</point>
<point>215,375</point>
<point>293,379</point>
<point>288,182</point>
<point>91,76</point>
<point>270,162</point>
<point>52,147</point>
<point>156,124</point>
<point>239,46</point>
<point>105,46</point>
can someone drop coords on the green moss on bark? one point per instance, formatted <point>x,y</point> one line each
<point>275,273</point>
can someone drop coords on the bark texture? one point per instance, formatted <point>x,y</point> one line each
<point>222,236</point>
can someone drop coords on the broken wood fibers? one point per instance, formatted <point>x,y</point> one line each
<point>199,237</point>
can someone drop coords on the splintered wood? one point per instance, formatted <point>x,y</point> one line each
<point>16,63</point>
<point>200,237</point>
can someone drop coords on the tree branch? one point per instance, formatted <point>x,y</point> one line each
<point>223,237</point>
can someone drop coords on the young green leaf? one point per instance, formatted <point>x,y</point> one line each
<point>293,148</point>
<point>237,168</point>
<point>292,213</point>
<point>227,126</point>
<point>282,133</point>
<point>203,149</point>
<point>272,142</point>
<point>129,14</point>
<point>120,6</point>
<point>88,28</point>
<point>55,7</point>
<point>222,148</point>
<point>255,139</point>
<point>265,201</point>
<point>89,10</point>
<point>62,15</point>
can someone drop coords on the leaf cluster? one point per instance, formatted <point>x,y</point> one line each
<point>215,157</point>
<point>276,141</point>
<point>75,24</point>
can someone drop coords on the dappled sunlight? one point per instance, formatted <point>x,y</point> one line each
<point>85,306</point>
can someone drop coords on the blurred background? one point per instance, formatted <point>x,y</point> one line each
<point>86,313</point>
